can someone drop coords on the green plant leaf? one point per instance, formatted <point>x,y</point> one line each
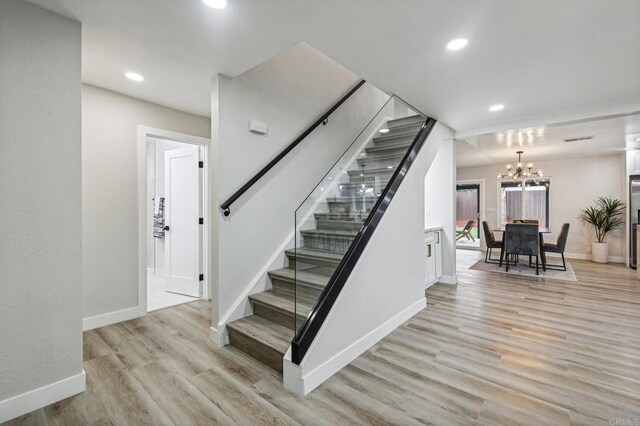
<point>605,216</point>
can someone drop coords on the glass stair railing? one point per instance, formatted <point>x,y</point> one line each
<point>338,209</point>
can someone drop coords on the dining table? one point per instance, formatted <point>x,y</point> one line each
<point>541,232</point>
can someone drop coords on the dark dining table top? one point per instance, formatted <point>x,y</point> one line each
<point>540,230</point>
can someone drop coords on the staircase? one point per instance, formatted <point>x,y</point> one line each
<point>267,334</point>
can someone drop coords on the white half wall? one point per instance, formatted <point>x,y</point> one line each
<point>575,184</point>
<point>440,205</point>
<point>288,93</point>
<point>40,207</point>
<point>110,195</point>
<point>387,285</point>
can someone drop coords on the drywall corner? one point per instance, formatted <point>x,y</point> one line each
<point>219,336</point>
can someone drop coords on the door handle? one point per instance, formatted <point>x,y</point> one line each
<point>167,228</point>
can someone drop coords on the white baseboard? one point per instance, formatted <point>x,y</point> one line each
<point>110,318</point>
<point>471,248</point>
<point>220,338</point>
<point>296,380</point>
<point>27,402</point>
<point>448,279</point>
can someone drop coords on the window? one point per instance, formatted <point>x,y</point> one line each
<point>534,204</point>
<point>536,201</point>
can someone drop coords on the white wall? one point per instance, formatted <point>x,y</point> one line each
<point>110,193</point>
<point>40,207</point>
<point>385,288</point>
<point>440,205</point>
<point>575,184</point>
<point>288,92</point>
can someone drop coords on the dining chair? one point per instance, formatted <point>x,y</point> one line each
<point>530,221</point>
<point>466,231</point>
<point>558,247</point>
<point>491,242</point>
<point>521,239</point>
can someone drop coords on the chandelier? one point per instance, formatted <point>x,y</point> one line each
<point>520,171</point>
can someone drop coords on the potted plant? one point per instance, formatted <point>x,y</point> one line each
<point>605,216</point>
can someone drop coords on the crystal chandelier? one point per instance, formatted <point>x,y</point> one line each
<point>520,171</point>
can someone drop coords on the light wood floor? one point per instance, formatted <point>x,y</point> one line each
<point>493,350</point>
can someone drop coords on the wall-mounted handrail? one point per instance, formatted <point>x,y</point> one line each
<point>309,330</point>
<point>226,206</point>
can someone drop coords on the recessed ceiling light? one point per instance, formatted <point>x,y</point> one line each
<point>134,76</point>
<point>216,4</point>
<point>637,139</point>
<point>384,130</point>
<point>496,107</point>
<point>457,44</point>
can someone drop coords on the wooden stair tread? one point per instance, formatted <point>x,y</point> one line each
<point>356,217</point>
<point>340,233</point>
<point>396,156</point>
<point>337,222</point>
<point>303,252</point>
<point>408,133</point>
<point>265,332</point>
<point>413,120</point>
<point>289,274</point>
<point>389,147</point>
<point>282,302</point>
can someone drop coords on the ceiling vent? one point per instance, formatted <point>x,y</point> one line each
<point>580,139</point>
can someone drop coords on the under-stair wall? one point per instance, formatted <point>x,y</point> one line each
<point>288,93</point>
<point>385,288</point>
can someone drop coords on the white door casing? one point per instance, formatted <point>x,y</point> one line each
<point>182,213</point>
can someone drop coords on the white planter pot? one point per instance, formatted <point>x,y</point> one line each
<point>600,252</point>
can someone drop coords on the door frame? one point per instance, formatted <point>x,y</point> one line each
<point>144,133</point>
<point>481,207</point>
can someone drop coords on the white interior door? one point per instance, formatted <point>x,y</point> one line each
<point>182,213</point>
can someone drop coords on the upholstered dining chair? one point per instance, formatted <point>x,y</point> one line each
<point>491,242</point>
<point>558,247</point>
<point>530,221</point>
<point>521,239</point>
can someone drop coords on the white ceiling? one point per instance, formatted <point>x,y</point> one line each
<point>610,136</point>
<point>542,59</point>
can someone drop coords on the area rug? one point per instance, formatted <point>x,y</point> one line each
<point>523,269</point>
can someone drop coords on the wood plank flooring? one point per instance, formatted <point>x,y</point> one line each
<point>493,350</point>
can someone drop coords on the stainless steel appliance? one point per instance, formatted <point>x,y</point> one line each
<point>634,210</point>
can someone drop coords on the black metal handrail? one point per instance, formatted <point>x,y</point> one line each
<point>226,206</point>
<point>307,333</point>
